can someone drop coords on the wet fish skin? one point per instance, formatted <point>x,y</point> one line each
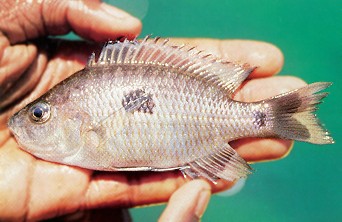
<point>151,106</point>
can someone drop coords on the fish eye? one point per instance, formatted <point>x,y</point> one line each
<point>40,112</point>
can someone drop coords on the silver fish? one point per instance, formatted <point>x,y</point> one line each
<point>152,106</point>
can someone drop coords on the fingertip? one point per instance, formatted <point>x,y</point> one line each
<point>266,57</point>
<point>197,184</point>
<point>188,203</point>
<point>260,150</point>
<point>254,90</point>
<point>101,22</point>
<point>202,203</point>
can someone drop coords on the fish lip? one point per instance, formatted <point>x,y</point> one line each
<point>10,126</point>
<point>13,120</point>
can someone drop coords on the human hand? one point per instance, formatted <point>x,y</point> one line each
<point>34,189</point>
<point>187,203</point>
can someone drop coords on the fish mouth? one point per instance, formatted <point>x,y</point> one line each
<point>14,123</point>
<point>13,129</point>
<point>10,124</point>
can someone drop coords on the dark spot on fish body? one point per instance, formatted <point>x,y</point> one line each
<point>138,100</point>
<point>259,119</point>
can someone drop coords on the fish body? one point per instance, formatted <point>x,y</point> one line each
<point>151,106</point>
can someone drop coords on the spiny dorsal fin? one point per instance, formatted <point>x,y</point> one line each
<point>185,59</point>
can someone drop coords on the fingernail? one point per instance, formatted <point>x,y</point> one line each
<point>202,204</point>
<point>115,12</point>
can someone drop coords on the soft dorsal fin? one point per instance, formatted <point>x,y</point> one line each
<point>185,59</point>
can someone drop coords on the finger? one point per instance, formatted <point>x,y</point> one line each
<point>188,203</point>
<point>266,57</point>
<point>259,89</point>
<point>104,21</point>
<point>42,189</point>
<point>90,19</point>
<point>260,150</point>
<point>51,191</point>
<point>19,76</point>
<point>101,214</point>
<point>137,188</point>
<point>15,171</point>
<point>43,74</point>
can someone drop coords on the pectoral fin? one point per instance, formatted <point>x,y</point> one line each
<point>225,164</point>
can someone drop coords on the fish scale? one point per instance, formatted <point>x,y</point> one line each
<point>153,106</point>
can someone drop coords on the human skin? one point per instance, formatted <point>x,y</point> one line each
<point>33,189</point>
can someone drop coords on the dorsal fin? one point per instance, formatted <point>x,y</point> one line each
<point>185,59</point>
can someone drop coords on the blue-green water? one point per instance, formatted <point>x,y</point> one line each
<point>305,186</point>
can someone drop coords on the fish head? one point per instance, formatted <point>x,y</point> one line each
<point>42,130</point>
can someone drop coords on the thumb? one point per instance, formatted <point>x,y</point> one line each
<point>91,19</point>
<point>188,203</point>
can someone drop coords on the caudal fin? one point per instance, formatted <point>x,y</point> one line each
<point>293,114</point>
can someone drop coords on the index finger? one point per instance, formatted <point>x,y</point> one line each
<point>188,203</point>
<point>266,57</point>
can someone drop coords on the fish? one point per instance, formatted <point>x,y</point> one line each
<point>153,106</point>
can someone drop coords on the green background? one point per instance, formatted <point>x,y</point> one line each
<point>305,186</point>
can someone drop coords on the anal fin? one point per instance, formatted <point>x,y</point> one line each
<point>225,164</point>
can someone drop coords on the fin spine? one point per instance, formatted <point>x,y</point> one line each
<point>184,58</point>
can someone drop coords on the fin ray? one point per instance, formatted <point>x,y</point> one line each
<point>186,59</point>
<point>293,117</point>
<point>225,164</point>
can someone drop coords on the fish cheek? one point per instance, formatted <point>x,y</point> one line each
<point>72,122</point>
